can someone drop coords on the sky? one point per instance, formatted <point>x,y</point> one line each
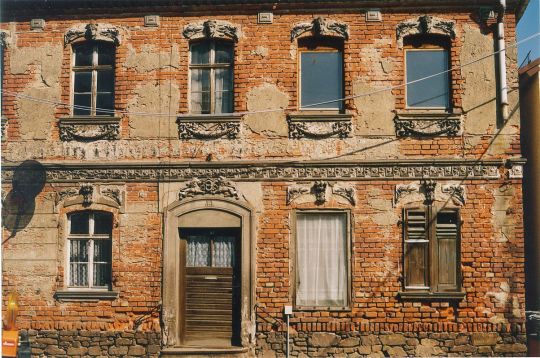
<point>527,26</point>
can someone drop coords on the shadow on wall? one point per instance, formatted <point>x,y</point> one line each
<point>18,205</point>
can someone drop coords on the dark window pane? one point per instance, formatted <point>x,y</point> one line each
<point>224,102</point>
<point>102,274</point>
<point>105,54</point>
<point>102,251</point>
<point>83,54</point>
<point>431,92</point>
<point>224,79</point>
<point>321,79</point>
<point>79,223</point>
<point>104,101</point>
<point>447,218</point>
<point>83,100</point>
<point>83,82</point>
<point>102,223</point>
<point>224,53</point>
<point>105,81</point>
<point>200,53</point>
<point>200,102</point>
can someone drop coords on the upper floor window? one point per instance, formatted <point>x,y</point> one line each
<point>426,56</point>
<point>322,259</point>
<point>211,71</point>
<point>431,250</point>
<point>321,74</point>
<point>89,249</point>
<point>93,78</point>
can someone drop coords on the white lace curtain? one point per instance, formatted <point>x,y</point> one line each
<point>322,259</point>
<point>204,251</point>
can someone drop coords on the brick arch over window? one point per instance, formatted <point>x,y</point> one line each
<point>225,210</point>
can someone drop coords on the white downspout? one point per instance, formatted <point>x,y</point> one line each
<point>503,94</point>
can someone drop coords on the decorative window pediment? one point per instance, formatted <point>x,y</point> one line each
<point>321,27</point>
<point>425,25</point>
<point>100,32</point>
<point>211,29</point>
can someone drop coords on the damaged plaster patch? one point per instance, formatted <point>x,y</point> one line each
<point>35,118</point>
<point>272,124</point>
<point>503,220</point>
<point>154,97</point>
<point>375,112</point>
<point>479,99</point>
<point>384,212</point>
<point>149,58</point>
<point>373,59</point>
<point>260,51</point>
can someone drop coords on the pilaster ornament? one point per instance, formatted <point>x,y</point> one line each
<point>112,193</point>
<point>208,186</point>
<point>403,190</point>
<point>456,192</point>
<point>345,192</point>
<point>208,130</point>
<point>429,190</point>
<point>87,192</point>
<point>321,27</point>
<point>426,25</point>
<point>102,32</point>
<point>211,29</point>
<point>294,191</point>
<point>427,125</point>
<point>5,38</point>
<point>88,131</point>
<point>4,122</point>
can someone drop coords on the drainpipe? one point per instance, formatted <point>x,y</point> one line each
<point>503,90</point>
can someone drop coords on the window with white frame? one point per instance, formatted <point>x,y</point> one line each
<point>211,71</point>
<point>321,259</point>
<point>93,78</point>
<point>321,74</point>
<point>427,62</point>
<point>89,249</point>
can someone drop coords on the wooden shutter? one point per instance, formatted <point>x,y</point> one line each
<point>447,250</point>
<point>416,246</point>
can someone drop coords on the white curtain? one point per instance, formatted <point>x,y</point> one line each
<point>322,260</point>
<point>198,251</point>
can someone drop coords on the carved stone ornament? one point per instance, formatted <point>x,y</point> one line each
<point>89,129</point>
<point>87,192</point>
<point>112,193</point>
<point>208,186</point>
<point>425,25</point>
<point>208,127</point>
<point>321,27</point>
<point>429,190</point>
<point>343,170</point>
<point>515,168</point>
<point>319,190</point>
<point>319,126</point>
<point>294,191</point>
<point>456,192</point>
<point>64,194</point>
<point>211,29</point>
<point>5,38</point>
<point>427,124</point>
<point>102,32</point>
<point>403,190</point>
<point>345,192</point>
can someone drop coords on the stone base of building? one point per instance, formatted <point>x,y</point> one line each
<point>73,343</point>
<point>418,344</point>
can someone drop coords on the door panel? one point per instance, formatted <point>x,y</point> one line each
<point>212,285</point>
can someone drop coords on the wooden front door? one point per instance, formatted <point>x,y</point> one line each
<point>212,286</point>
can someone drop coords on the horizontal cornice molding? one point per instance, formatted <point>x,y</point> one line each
<point>269,171</point>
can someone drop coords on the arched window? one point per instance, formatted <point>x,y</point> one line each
<point>211,71</point>
<point>93,78</point>
<point>89,250</point>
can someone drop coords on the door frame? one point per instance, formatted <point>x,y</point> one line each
<point>174,262</point>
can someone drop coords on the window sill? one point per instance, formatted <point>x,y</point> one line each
<point>86,295</point>
<point>431,296</point>
<point>427,123</point>
<point>319,125</point>
<point>209,126</point>
<point>86,129</point>
<point>321,308</point>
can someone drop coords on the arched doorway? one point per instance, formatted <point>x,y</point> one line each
<point>207,289</point>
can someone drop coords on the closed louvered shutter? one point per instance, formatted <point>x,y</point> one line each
<point>447,234</point>
<point>416,249</point>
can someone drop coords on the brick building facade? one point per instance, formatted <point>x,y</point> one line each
<point>175,174</point>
